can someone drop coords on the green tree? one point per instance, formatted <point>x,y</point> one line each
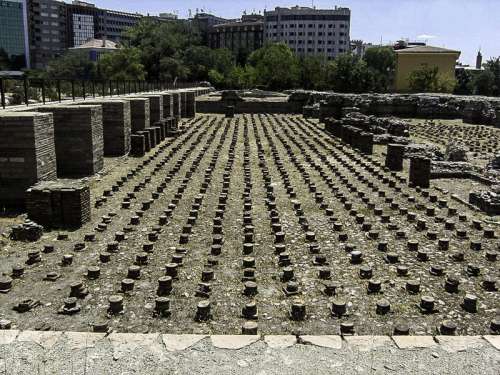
<point>428,79</point>
<point>484,83</point>
<point>200,60</point>
<point>72,65</point>
<point>313,72</point>
<point>124,65</point>
<point>347,73</point>
<point>382,62</point>
<point>493,65</point>
<point>172,69</point>
<point>464,82</point>
<point>276,66</point>
<point>160,44</point>
<point>424,79</point>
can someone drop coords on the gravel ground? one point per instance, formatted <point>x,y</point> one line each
<point>203,358</point>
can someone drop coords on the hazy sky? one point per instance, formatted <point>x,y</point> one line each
<point>466,25</point>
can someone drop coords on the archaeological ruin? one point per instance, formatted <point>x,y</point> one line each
<point>299,213</point>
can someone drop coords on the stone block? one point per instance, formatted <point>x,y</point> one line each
<point>420,172</point>
<point>168,105</point>
<point>394,158</point>
<point>155,107</point>
<point>140,113</point>
<point>59,204</point>
<point>79,141</point>
<point>177,104</point>
<point>27,154</point>
<point>191,104</point>
<point>117,126</point>
<point>138,145</point>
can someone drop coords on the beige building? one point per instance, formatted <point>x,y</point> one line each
<point>414,58</point>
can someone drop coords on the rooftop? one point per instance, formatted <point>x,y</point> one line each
<point>98,44</point>
<point>426,49</point>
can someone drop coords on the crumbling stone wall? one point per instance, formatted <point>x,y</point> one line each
<point>472,109</point>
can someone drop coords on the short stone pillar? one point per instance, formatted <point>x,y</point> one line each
<point>177,103</point>
<point>168,105</point>
<point>59,204</point>
<point>420,172</point>
<point>395,156</point>
<point>184,104</point>
<point>138,145</point>
<point>229,111</point>
<point>365,143</point>
<point>147,139</point>
<point>191,104</point>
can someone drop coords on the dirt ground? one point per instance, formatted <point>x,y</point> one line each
<point>274,169</point>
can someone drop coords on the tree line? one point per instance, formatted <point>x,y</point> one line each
<point>173,51</point>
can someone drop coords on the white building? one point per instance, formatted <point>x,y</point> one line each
<point>310,31</point>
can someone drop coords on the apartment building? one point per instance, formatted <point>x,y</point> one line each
<point>242,36</point>
<point>310,31</point>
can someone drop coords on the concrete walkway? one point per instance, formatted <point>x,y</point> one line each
<point>29,352</point>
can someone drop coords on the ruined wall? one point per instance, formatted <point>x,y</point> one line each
<point>472,109</point>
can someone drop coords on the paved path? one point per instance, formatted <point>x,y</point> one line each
<point>31,352</point>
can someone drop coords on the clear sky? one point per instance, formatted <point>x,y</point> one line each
<point>466,25</point>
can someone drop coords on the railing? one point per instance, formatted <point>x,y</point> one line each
<point>41,91</point>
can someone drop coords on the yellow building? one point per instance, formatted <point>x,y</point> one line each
<point>413,58</point>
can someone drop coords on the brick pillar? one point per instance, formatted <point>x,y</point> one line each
<point>27,154</point>
<point>138,145</point>
<point>168,105</point>
<point>365,143</point>
<point>177,105</point>
<point>117,125</point>
<point>140,112</point>
<point>191,104</point>
<point>394,158</point>
<point>78,139</point>
<point>420,172</point>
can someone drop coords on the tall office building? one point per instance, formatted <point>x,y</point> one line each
<point>310,31</point>
<point>47,29</point>
<point>14,32</point>
<point>86,21</point>
<point>205,23</point>
<point>55,26</point>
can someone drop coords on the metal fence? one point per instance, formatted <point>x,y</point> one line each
<point>38,91</point>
